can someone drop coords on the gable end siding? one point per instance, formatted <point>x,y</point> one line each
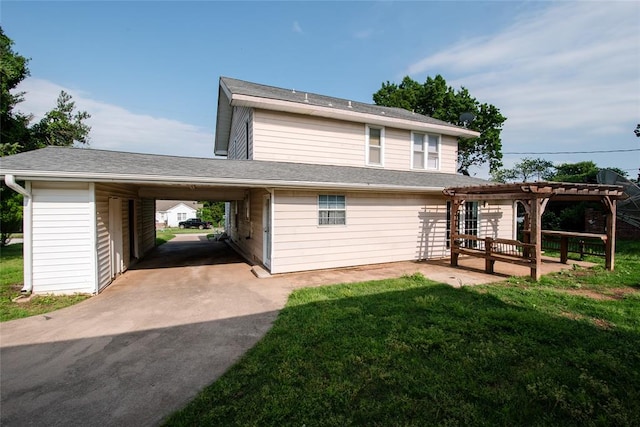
<point>238,137</point>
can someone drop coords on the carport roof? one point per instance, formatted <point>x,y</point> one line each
<point>82,164</point>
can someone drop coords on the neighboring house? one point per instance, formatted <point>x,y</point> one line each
<point>312,182</point>
<point>170,212</point>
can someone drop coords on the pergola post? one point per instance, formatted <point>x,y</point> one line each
<point>536,238</point>
<point>610,244</point>
<point>453,227</point>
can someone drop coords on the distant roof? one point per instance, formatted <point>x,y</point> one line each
<point>165,205</point>
<point>85,164</point>
<point>234,92</point>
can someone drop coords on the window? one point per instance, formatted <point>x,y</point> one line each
<point>375,141</point>
<point>332,210</point>
<point>182,216</point>
<point>426,151</point>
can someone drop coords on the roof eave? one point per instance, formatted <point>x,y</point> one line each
<point>339,114</point>
<point>208,181</point>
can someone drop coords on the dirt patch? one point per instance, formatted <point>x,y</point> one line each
<point>586,293</point>
<point>602,324</point>
<point>612,293</point>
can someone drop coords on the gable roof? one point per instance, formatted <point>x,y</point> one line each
<point>85,164</point>
<point>234,92</point>
<point>165,205</point>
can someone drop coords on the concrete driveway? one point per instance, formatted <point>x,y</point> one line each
<point>159,334</point>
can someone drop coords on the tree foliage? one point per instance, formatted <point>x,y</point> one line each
<point>435,99</point>
<point>526,170</point>
<point>212,211</point>
<point>62,126</point>
<point>543,170</point>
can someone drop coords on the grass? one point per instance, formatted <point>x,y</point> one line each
<point>163,236</point>
<point>11,279</point>
<point>410,351</point>
<point>166,234</point>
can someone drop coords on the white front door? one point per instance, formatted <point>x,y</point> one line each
<point>266,227</point>
<point>115,236</point>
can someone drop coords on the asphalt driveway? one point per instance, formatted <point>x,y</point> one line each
<point>142,348</point>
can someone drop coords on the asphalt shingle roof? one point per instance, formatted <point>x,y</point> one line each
<point>61,162</point>
<point>242,87</point>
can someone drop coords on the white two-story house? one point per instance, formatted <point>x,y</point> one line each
<point>384,204</point>
<point>311,181</point>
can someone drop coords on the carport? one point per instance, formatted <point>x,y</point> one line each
<point>83,228</point>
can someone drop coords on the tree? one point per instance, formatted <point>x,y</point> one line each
<point>525,171</point>
<point>212,211</point>
<point>585,172</point>
<point>13,125</point>
<point>435,99</point>
<point>62,126</point>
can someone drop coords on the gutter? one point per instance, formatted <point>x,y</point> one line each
<point>27,252</point>
<point>225,182</point>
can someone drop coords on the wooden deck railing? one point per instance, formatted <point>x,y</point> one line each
<point>492,250</point>
<point>567,242</point>
<point>522,253</point>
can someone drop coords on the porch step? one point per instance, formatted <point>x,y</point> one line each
<point>260,272</point>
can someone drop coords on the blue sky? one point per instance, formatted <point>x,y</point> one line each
<point>565,74</point>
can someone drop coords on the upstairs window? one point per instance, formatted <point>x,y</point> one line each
<point>332,210</point>
<point>426,151</point>
<point>375,142</point>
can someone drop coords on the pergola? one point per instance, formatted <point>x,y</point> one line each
<point>534,197</point>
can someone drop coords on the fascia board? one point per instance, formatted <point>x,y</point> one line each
<point>339,114</point>
<point>194,181</point>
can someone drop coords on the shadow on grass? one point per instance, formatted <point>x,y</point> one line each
<point>425,354</point>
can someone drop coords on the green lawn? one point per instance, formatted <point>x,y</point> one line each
<point>11,279</point>
<point>413,352</point>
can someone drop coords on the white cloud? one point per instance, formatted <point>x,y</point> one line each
<point>566,76</point>
<point>115,128</point>
<point>297,28</point>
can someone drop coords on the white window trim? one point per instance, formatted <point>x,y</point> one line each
<point>366,146</point>
<point>318,210</point>
<point>426,152</point>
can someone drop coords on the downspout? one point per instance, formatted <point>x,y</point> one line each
<point>10,180</point>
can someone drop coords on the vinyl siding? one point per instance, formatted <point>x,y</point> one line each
<point>238,138</point>
<point>496,219</point>
<point>103,193</point>
<point>147,225</point>
<point>248,235</point>
<point>298,138</point>
<point>448,154</point>
<point>306,139</point>
<point>380,228</point>
<point>62,238</point>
